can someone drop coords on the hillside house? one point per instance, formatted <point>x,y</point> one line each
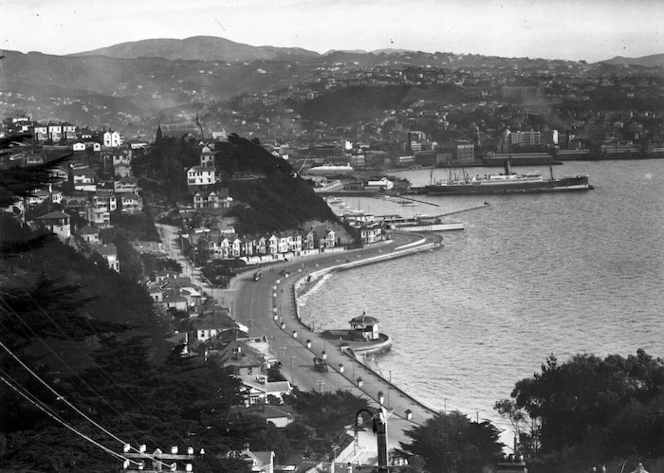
<point>131,203</point>
<point>127,184</point>
<point>56,222</point>
<point>200,178</point>
<point>110,253</point>
<point>206,200</point>
<point>68,131</point>
<point>40,132</point>
<point>207,157</point>
<point>89,234</point>
<point>213,324</point>
<point>112,139</point>
<point>84,179</point>
<point>54,132</point>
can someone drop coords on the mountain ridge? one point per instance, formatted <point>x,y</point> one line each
<point>652,60</point>
<point>198,48</point>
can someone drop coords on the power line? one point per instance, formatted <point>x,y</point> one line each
<point>41,406</point>
<point>163,422</point>
<point>67,365</point>
<point>103,372</point>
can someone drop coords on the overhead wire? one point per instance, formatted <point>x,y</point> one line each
<point>54,353</point>
<point>163,421</point>
<point>44,408</point>
<point>78,411</point>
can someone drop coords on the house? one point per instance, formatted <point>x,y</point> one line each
<point>122,170</point>
<point>207,157</point>
<point>311,240</point>
<point>68,131</point>
<point>121,157</point>
<point>260,461</point>
<point>247,362</point>
<point>78,146</point>
<point>206,200</point>
<point>329,240</point>
<point>112,139</point>
<point>110,252</point>
<point>156,294</point>
<point>54,132</point>
<point>279,416</point>
<point>131,203</point>
<point>89,234</point>
<point>212,324</point>
<point>56,222</point>
<point>84,179</point>
<point>165,274</point>
<point>200,178</point>
<point>371,233</point>
<point>126,184</point>
<point>40,132</point>
<point>175,301</point>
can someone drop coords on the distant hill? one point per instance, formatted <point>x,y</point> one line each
<point>198,48</point>
<point>654,60</point>
<point>344,107</point>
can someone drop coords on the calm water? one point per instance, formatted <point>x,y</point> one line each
<point>531,275</point>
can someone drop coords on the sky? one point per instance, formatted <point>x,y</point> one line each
<point>590,30</point>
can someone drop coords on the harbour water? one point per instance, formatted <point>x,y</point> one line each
<point>531,275</point>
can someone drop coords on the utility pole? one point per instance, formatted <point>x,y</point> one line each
<point>158,461</point>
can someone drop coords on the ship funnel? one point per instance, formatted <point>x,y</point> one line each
<point>508,168</point>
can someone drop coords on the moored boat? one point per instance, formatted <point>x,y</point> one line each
<point>507,183</point>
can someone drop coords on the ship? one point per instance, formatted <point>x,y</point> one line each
<point>506,183</point>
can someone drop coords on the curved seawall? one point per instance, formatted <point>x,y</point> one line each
<point>423,244</point>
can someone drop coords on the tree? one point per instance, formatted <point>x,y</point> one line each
<point>585,403</point>
<point>329,413</point>
<point>451,443</point>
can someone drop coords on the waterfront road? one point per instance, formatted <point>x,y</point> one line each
<point>268,308</point>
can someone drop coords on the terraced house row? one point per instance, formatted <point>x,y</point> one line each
<point>223,246</point>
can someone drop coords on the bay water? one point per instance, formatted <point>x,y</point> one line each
<point>530,276</point>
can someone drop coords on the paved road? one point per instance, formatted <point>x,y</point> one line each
<point>268,305</point>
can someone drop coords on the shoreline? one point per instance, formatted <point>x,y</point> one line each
<point>317,277</point>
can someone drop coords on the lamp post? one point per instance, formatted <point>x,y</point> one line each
<point>388,389</point>
<point>379,419</point>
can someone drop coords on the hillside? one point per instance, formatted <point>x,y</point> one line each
<point>654,60</point>
<point>362,103</point>
<point>281,201</point>
<point>197,48</point>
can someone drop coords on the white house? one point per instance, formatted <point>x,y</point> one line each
<point>78,146</point>
<point>112,139</point>
<point>200,177</point>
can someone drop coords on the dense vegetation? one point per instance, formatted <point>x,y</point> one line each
<point>590,410</point>
<point>279,201</point>
<point>451,443</point>
<point>163,169</point>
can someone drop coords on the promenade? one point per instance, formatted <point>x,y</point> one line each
<point>269,308</point>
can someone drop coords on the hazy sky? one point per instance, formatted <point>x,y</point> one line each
<point>566,29</point>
